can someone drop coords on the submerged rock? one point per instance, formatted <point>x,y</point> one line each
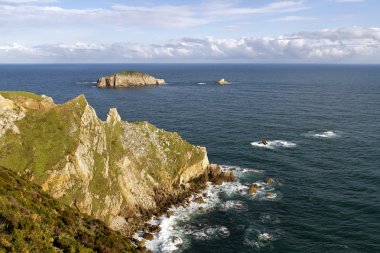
<point>176,240</point>
<point>128,79</point>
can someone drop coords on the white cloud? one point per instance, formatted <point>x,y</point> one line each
<point>350,1</point>
<point>294,18</point>
<point>319,46</point>
<point>31,14</point>
<point>16,2</point>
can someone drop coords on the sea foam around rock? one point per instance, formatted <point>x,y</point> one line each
<point>177,231</point>
<point>274,144</point>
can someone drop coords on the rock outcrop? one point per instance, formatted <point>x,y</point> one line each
<point>113,170</point>
<point>128,79</point>
<point>223,82</point>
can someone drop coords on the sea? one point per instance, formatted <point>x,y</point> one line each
<point>322,125</point>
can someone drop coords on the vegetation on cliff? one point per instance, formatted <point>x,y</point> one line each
<point>109,169</point>
<point>32,221</point>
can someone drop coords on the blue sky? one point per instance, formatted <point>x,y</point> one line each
<point>294,31</point>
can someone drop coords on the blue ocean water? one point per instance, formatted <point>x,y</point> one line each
<point>322,124</point>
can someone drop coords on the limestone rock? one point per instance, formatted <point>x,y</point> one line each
<point>217,176</point>
<point>110,169</point>
<point>128,79</point>
<point>223,82</point>
<point>252,189</point>
<point>148,236</point>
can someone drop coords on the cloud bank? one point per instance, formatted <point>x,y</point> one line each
<point>329,45</point>
<point>31,13</point>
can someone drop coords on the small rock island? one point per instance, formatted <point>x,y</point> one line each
<point>128,79</point>
<point>223,82</point>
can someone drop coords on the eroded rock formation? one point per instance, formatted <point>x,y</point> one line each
<point>113,170</point>
<point>128,79</point>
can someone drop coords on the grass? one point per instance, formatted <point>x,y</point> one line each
<point>44,139</point>
<point>15,94</point>
<point>32,221</point>
<point>130,73</point>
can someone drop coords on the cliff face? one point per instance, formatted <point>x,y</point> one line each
<point>127,79</point>
<point>108,169</point>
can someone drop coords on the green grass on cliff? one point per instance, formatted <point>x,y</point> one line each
<point>44,138</point>
<point>32,221</point>
<point>178,152</point>
<point>130,73</point>
<point>14,94</point>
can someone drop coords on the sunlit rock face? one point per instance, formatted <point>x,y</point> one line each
<point>108,169</point>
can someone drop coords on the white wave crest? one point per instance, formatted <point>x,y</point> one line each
<point>274,144</point>
<point>201,83</point>
<point>256,238</point>
<point>326,134</point>
<point>84,82</point>
<point>176,232</point>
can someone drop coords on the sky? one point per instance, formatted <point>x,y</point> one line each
<point>168,31</point>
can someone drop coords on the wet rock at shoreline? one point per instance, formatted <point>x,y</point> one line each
<point>148,236</point>
<point>170,213</point>
<point>199,200</point>
<point>217,176</point>
<point>252,189</point>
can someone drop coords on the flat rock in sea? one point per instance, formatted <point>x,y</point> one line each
<point>128,79</point>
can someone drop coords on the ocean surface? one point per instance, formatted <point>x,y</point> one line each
<point>322,123</point>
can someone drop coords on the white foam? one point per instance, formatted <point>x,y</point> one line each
<point>176,232</point>
<point>85,82</point>
<point>236,205</point>
<point>323,135</point>
<point>274,144</point>
<point>327,134</point>
<point>256,238</point>
<point>201,83</point>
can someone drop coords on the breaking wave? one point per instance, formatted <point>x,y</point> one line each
<point>86,82</point>
<point>177,231</point>
<point>324,135</point>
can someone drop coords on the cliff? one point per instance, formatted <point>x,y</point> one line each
<point>127,79</point>
<point>32,221</point>
<point>113,170</point>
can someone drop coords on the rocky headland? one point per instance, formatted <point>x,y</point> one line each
<point>128,79</point>
<point>117,171</point>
